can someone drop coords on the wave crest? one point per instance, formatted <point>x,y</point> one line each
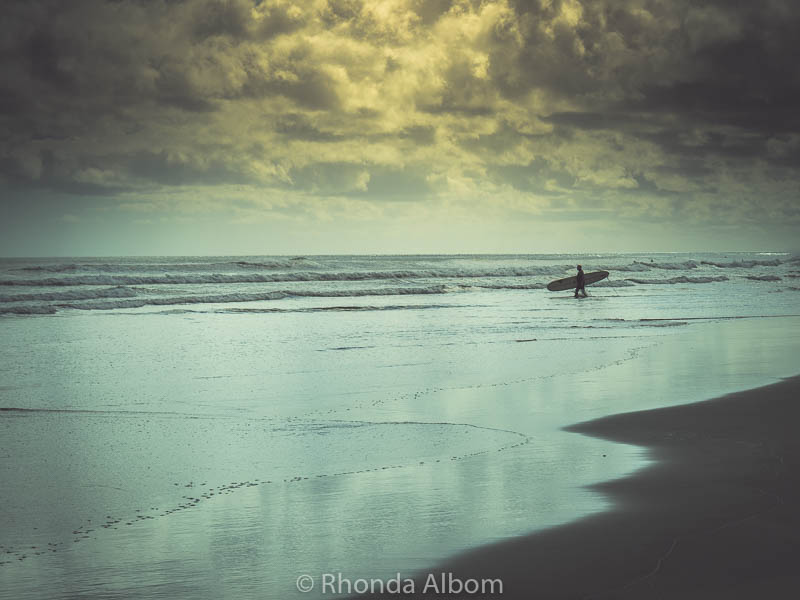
<point>100,304</point>
<point>681,279</point>
<point>114,292</point>
<point>743,264</point>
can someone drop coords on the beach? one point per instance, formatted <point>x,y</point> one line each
<point>211,427</point>
<point>714,517</point>
<point>478,299</point>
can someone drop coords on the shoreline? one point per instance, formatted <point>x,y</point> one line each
<point>262,538</point>
<point>712,517</point>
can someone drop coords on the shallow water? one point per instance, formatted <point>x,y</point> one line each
<point>224,453</point>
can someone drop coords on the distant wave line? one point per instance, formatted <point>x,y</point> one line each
<point>297,262</point>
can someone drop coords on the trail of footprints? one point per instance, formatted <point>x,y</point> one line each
<point>8,554</point>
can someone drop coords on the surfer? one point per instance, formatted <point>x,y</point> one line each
<point>581,283</point>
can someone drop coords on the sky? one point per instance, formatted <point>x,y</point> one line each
<point>221,127</point>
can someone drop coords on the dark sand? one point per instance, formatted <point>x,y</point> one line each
<point>716,517</point>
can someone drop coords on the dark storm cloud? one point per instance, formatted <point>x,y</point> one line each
<point>716,64</point>
<point>750,80</point>
<point>91,70</point>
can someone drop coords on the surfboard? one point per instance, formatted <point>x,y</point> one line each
<point>570,282</point>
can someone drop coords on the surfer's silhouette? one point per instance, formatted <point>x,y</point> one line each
<point>581,284</point>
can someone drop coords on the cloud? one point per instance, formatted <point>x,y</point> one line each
<point>655,108</point>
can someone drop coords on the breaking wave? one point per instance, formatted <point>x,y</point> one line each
<point>114,292</point>
<point>743,264</point>
<point>220,299</point>
<point>681,279</point>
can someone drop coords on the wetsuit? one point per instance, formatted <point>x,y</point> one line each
<point>581,284</point>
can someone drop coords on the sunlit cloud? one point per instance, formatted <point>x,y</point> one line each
<point>346,110</point>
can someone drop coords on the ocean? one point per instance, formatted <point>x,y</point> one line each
<point>218,427</point>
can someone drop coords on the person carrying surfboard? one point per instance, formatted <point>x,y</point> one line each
<point>577,283</point>
<point>581,283</point>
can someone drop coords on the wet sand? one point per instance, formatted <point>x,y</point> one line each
<point>715,516</point>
